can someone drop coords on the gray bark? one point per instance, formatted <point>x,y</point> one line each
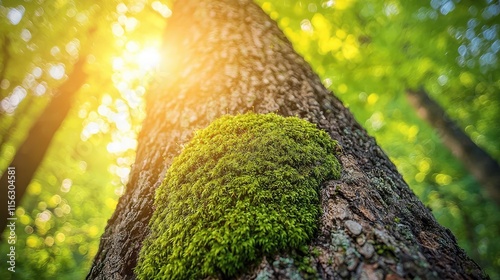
<point>229,57</point>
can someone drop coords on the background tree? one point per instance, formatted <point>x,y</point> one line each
<point>32,150</point>
<point>480,164</point>
<point>65,210</point>
<point>228,57</point>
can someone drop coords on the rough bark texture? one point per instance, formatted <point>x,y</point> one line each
<point>229,57</point>
<point>480,164</point>
<point>32,151</point>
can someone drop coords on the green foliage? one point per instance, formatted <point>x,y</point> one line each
<point>64,211</point>
<point>244,187</point>
<point>75,190</point>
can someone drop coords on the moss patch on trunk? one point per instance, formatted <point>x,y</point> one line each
<point>244,187</point>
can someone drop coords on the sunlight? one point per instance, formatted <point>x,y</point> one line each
<point>148,58</point>
<point>120,115</point>
<point>137,61</point>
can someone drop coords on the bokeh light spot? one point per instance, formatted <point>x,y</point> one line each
<point>15,15</point>
<point>57,71</point>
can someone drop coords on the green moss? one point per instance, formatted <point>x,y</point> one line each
<point>315,252</point>
<point>244,187</point>
<point>305,266</point>
<point>385,250</point>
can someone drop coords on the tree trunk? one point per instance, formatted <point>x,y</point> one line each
<point>32,151</point>
<point>479,163</point>
<point>228,57</point>
<point>5,58</point>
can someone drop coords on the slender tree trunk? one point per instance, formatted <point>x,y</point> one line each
<point>480,164</point>
<point>32,151</point>
<point>228,57</point>
<point>6,57</point>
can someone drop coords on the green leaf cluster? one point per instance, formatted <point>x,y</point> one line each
<point>244,187</point>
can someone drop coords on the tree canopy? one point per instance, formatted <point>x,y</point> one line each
<point>369,53</point>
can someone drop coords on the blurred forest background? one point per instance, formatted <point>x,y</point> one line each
<point>368,52</point>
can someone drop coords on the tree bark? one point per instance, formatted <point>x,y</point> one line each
<point>480,164</point>
<point>228,57</point>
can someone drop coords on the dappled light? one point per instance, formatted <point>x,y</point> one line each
<point>76,189</point>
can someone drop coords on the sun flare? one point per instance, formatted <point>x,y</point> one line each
<point>136,60</point>
<point>148,58</point>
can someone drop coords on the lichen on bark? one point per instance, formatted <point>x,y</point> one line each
<point>244,187</point>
